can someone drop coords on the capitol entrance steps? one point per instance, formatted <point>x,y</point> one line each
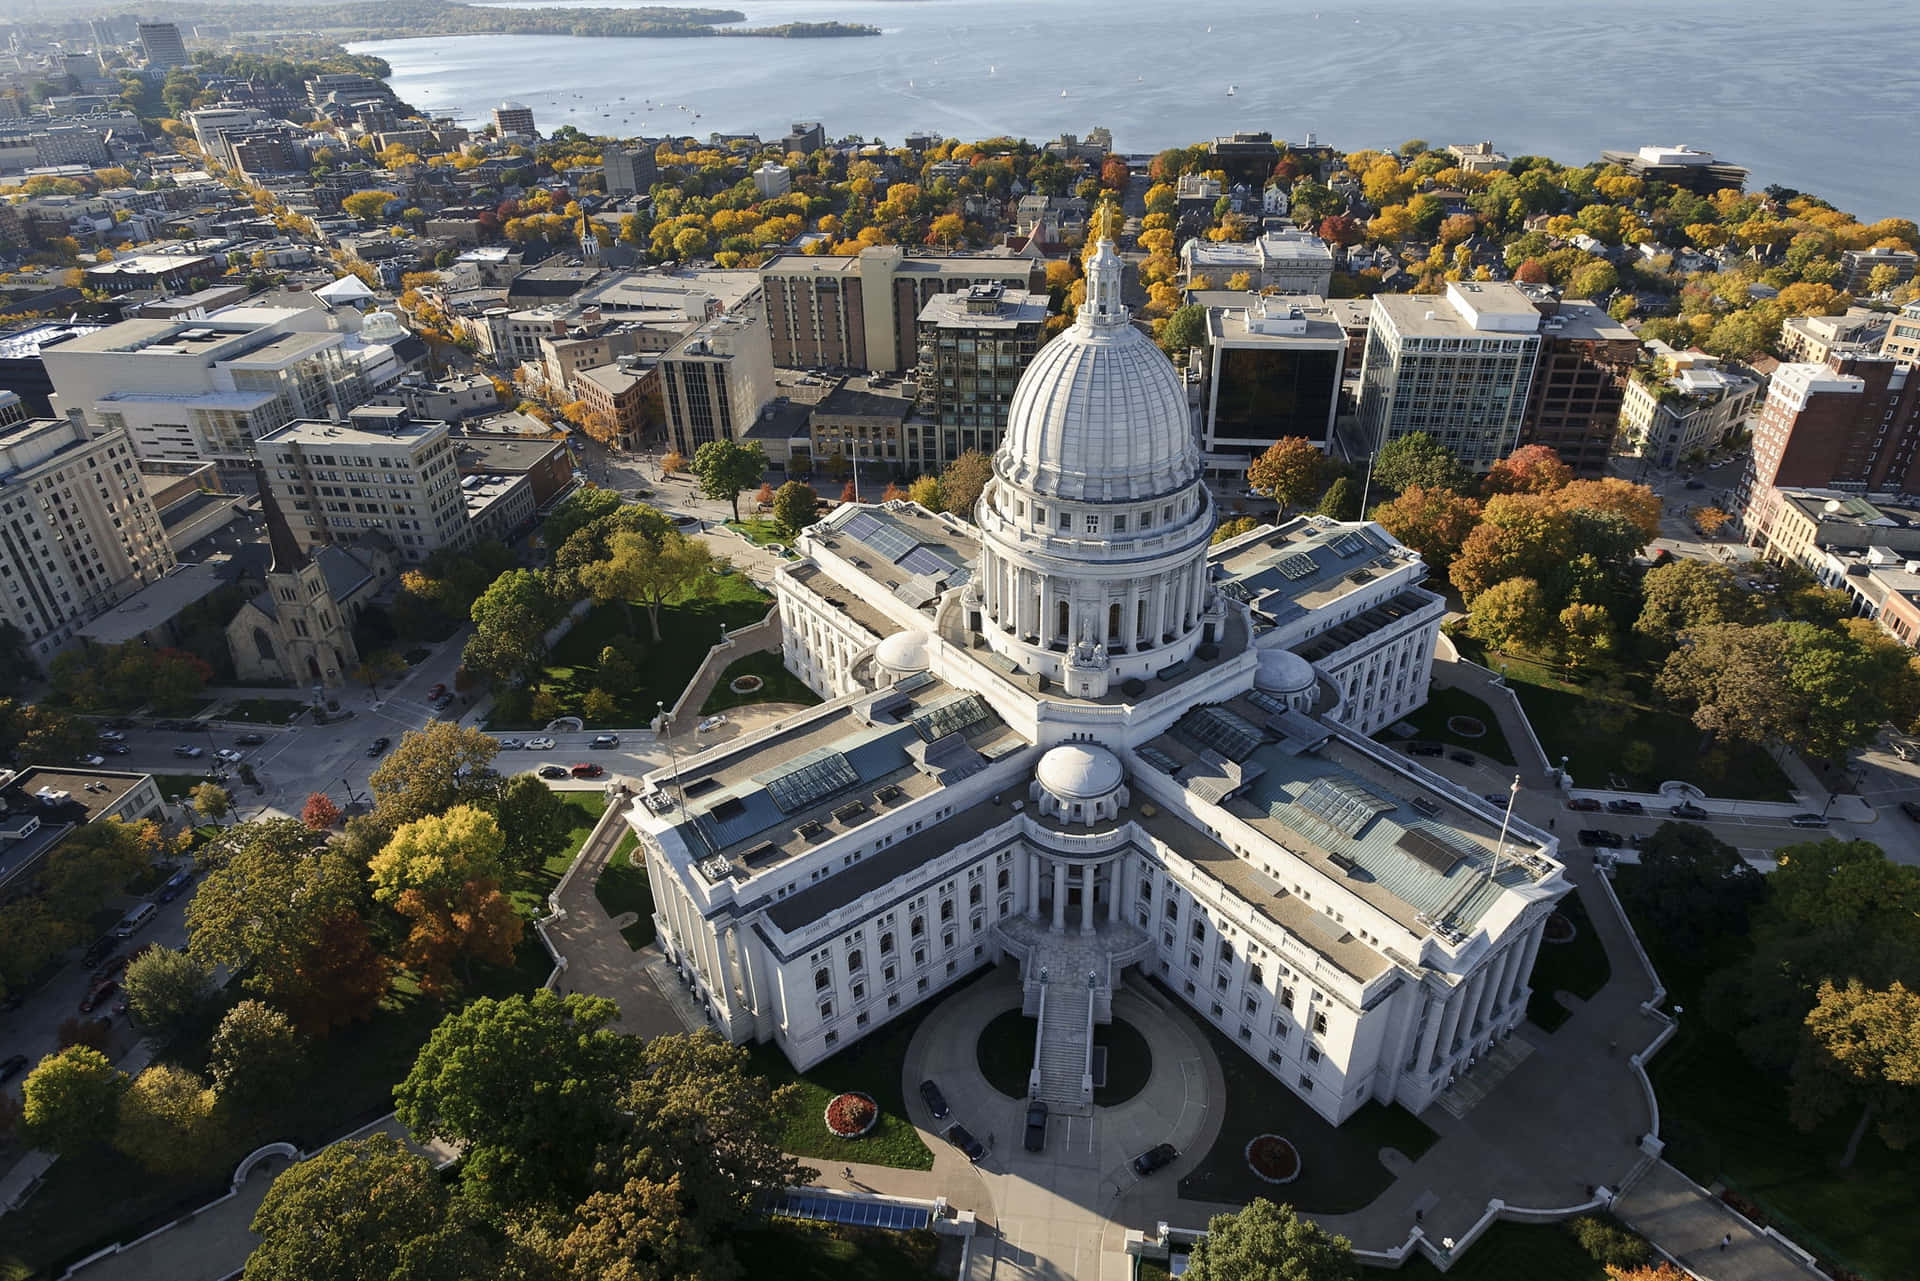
<point>1061,1051</point>
<point>1069,979</point>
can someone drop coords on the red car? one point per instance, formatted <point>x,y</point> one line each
<point>586,769</point>
<point>1584,804</point>
<point>98,993</point>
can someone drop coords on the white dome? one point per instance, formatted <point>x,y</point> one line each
<point>1101,412</point>
<point>1282,671</point>
<point>905,652</point>
<point>382,327</point>
<point>1079,771</point>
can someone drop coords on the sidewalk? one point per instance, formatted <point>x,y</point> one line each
<point>1452,672</point>
<point>1672,1211</point>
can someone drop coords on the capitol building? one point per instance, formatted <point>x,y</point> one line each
<point>1072,738</point>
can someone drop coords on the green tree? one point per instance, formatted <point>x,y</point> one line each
<point>1342,499</point>
<point>1288,472</point>
<point>442,872</point>
<point>963,480</point>
<point>530,1087</point>
<point>1184,329</point>
<point>71,1102</point>
<point>1434,522</point>
<point>725,467</point>
<point>510,620</point>
<point>31,733</point>
<point>1690,593</point>
<point>1586,632</point>
<point>165,989</point>
<point>1416,460</point>
<point>253,1053</point>
<point>168,1122</point>
<point>347,1214</point>
<point>534,822</point>
<point>575,512</point>
<point>284,909</point>
<point>438,853</point>
<point>1694,888</point>
<point>1863,1052</point>
<point>210,801</point>
<point>651,571</point>
<point>439,765</point>
<point>367,205</point>
<point>1229,530</point>
<point>1511,614</point>
<point>94,863</point>
<point>1268,1242</point>
<point>794,506</point>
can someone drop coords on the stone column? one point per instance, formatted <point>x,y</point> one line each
<point>1087,878</point>
<point>1059,896</point>
<point>1503,987</point>
<point>1451,1021</point>
<point>1114,880</point>
<point>1525,975</point>
<point>1471,1008</point>
<point>1033,885</point>
<point>1436,1011</point>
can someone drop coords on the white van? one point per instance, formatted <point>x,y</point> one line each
<point>135,921</point>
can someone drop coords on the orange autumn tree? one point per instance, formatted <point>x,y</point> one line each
<point>443,872</point>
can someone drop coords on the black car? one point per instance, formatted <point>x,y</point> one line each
<point>936,1102</point>
<point>1808,820</point>
<point>12,1067</point>
<point>250,739</point>
<point>1154,1158</point>
<point>1600,837</point>
<point>1696,484</point>
<point>176,885</point>
<point>379,745</point>
<point>604,742</point>
<point>1617,806</point>
<point>1463,758</point>
<point>1911,809</point>
<point>99,950</point>
<point>1425,749</point>
<point>553,771</point>
<point>961,1137</point>
<point>1036,1126</point>
<point>1687,809</point>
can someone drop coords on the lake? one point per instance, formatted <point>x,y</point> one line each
<point>1820,97</point>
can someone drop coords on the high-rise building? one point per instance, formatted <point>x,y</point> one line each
<point>380,473</point>
<point>514,120</point>
<point>163,46</point>
<point>630,171</point>
<point>1850,424</point>
<point>1272,368</point>
<point>862,312</point>
<point>78,531</point>
<point>1685,403</point>
<point>1574,407</point>
<point>1458,366</point>
<point>974,345</point>
<point>716,380</point>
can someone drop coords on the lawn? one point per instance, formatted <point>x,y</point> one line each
<point>623,887</point>
<point>1430,722</point>
<point>797,1251</point>
<point>264,711</point>
<point>688,629</point>
<point>1340,1166</point>
<point>529,892</point>
<point>1596,735</point>
<point>1579,967</point>
<point>760,530</point>
<point>1005,1056</point>
<point>871,1065</point>
<point>1724,1121</point>
<point>781,686</point>
<point>1510,1252</point>
<point>174,787</point>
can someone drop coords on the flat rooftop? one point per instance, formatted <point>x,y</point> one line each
<point>835,596</point>
<point>27,343</point>
<point>1007,309</point>
<point>158,601</point>
<point>1303,565</point>
<point>902,547</point>
<point>308,432</point>
<point>500,453</point>
<point>94,791</point>
<point>1580,319</point>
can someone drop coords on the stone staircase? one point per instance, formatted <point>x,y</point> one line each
<point>1063,1048</point>
<point>1470,1087</point>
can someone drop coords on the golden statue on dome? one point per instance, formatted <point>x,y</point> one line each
<point>1104,225</point>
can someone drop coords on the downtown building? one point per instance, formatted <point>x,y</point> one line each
<point>1684,404</point>
<point>381,477</point>
<point>974,345</point>
<point>1071,740</point>
<point>715,382</point>
<point>1272,368</point>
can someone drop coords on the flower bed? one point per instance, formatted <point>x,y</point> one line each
<point>1559,929</point>
<point>1467,726</point>
<point>1272,1159</point>
<point>851,1115</point>
<point>748,684</point>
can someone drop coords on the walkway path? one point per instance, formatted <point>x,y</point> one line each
<point>1450,671</point>
<point>1670,1209</point>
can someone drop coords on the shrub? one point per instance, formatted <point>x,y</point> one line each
<point>1609,1244</point>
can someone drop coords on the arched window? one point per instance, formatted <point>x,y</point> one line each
<point>973,893</point>
<point>263,644</point>
<point>886,943</point>
<point>822,979</point>
<point>855,962</point>
<point>1113,622</point>
<point>1060,626</point>
<point>1004,880</point>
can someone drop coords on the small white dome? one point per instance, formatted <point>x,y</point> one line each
<point>905,653</point>
<point>1282,671</point>
<point>1079,771</point>
<point>382,327</point>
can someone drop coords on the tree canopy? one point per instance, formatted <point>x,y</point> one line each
<point>1288,472</point>
<point>71,1101</point>
<point>1268,1242</point>
<point>795,505</point>
<point>165,989</point>
<point>347,1213</point>
<point>1416,460</point>
<point>725,467</point>
<point>651,571</point>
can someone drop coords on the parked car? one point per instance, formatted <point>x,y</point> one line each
<point>511,744</point>
<point>97,993</point>
<point>553,771</point>
<point>1808,820</point>
<point>99,949</point>
<point>1425,749</point>
<point>540,744</point>
<point>1687,809</point>
<point>604,742</point>
<point>1600,837</point>
<point>251,739</point>
<point>118,749</point>
<point>1618,806</point>
<point>1911,809</point>
<point>711,723</point>
<point>12,1067</point>
<point>136,920</point>
<point>1157,1157</point>
<point>1036,1126</point>
<point>1696,484</point>
<point>111,736</point>
<point>172,727</point>
<point>586,769</point>
<point>175,884</point>
<point>1583,804</point>
<point>90,760</point>
<point>110,966</point>
<point>119,722</point>
<point>1463,758</point>
<point>439,688</point>
<point>936,1102</point>
<point>229,755</point>
<point>187,752</point>
<point>961,1137</point>
<point>379,745</point>
<point>1496,799</point>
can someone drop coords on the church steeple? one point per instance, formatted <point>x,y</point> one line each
<point>1103,307</point>
<point>287,556</point>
